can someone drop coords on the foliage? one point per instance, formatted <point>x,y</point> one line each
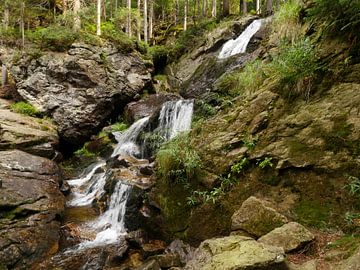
<point>84,151</point>
<point>152,141</point>
<point>351,217</point>
<point>25,108</point>
<point>238,167</point>
<point>159,55</point>
<point>266,162</point>
<point>293,69</point>
<point>353,186</point>
<point>177,160</point>
<point>286,22</point>
<point>53,37</point>
<point>338,17</point>
<point>119,126</point>
<point>114,34</point>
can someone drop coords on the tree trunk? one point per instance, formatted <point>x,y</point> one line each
<point>176,11</point>
<point>205,7</point>
<point>258,11</point>
<point>145,22</point>
<point>64,4</point>
<point>213,10</point>
<point>77,21</point>
<point>4,75</point>
<point>139,20</point>
<point>6,17</point>
<point>128,24</point>
<point>151,19</point>
<point>98,21</point>
<point>269,5</point>
<point>22,24</point>
<point>226,8</point>
<point>244,7</point>
<point>186,7</point>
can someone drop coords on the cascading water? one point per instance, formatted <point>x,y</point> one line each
<point>239,45</point>
<point>175,117</point>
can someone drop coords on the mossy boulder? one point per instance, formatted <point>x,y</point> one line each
<point>236,252</point>
<point>256,218</point>
<point>290,236</point>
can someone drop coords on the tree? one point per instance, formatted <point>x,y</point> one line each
<point>145,22</point>
<point>213,10</point>
<point>226,8</point>
<point>244,7</point>
<point>258,11</point>
<point>186,8</point>
<point>76,10</point>
<point>98,21</point>
<point>269,7</point>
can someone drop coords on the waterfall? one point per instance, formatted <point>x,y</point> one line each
<point>175,117</point>
<point>239,45</point>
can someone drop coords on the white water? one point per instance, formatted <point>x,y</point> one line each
<point>175,117</point>
<point>127,139</point>
<point>239,45</point>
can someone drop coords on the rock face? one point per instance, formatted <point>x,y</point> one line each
<point>139,109</point>
<point>256,218</point>
<point>30,203</point>
<point>290,236</point>
<point>82,88</point>
<point>35,136</point>
<point>236,252</point>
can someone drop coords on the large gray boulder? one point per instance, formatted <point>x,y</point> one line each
<point>30,203</point>
<point>80,89</point>
<point>290,236</point>
<point>256,217</point>
<point>33,135</point>
<point>236,253</point>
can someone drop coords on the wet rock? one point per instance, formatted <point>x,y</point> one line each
<point>137,238</point>
<point>290,236</point>
<point>256,218</point>
<point>153,247</point>
<point>146,107</point>
<point>31,203</point>
<point>167,260</point>
<point>33,135</point>
<point>65,188</point>
<point>146,170</point>
<point>236,252</point>
<point>150,265</point>
<point>82,88</point>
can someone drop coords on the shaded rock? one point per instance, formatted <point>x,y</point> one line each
<point>167,260</point>
<point>150,265</point>
<point>310,265</point>
<point>236,252</point>
<point>146,170</point>
<point>30,203</point>
<point>82,88</point>
<point>139,109</point>
<point>256,218</point>
<point>153,247</point>
<point>33,135</point>
<point>290,236</point>
<point>185,251</point>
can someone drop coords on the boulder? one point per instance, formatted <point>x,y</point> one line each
<point>236,252</point>
<point>30,203</point>
<point>290,236</point>
<point>33,135</point>
<point>82,88</point>
<point>310,265</point>
<point>256,217</point>
<point>146,107</point>
<point>185,251</point>
<point>167,260</point>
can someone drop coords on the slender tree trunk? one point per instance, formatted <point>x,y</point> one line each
<point>64,4</point>
<point>205,7</point>
<point>76,10</point>
<point>226,8</point>
<point>6,17</point>
<point>3,75</point>
<point>145,21</point>
<point>98,21</point>
<point>22,24</point>
<point>128,25</point>
<point>151,19</point>
<point>258,8</point>
<point>139,20</point>
<point>186,8</point>
<point>176,11</point>
<point>244,7</point>
<point>213,10</point>
<point>269,5</point>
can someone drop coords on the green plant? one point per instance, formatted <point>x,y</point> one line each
<point>119,126</point>
<point>266,162</point>
<point>84,151</point>
<point>293,69</point>
<point>177,160</point>
<point>353,186</point>
<point>249,143</point>
<point>238,167</point>
<point>350,217</point>
<point>25,108</point>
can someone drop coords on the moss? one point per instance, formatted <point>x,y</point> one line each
<point>25,108</point>
<point>348,243</point>
<point>313,213</point>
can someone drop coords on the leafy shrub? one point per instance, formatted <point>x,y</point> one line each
<point>159,55</point>
<point>53,37</point>
<point>119,126</point>
<point>337,16</point>
<point>294,68</point>
<point>84,151</point>
<point>120,39</point>
<point>178,161</point>
<point>25,108</point>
